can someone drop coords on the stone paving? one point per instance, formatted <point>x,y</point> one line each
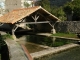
<point>15,50</point>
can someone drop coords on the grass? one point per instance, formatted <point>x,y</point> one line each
<point>69,35</point>
<point>7,36</point>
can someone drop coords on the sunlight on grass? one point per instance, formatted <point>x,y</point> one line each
<point>69,35</point>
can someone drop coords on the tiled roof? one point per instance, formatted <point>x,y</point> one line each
<point>18,14</point>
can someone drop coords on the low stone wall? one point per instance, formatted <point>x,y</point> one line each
<point>68,27</point>
<point>52,50</point>
<point>15,50</point>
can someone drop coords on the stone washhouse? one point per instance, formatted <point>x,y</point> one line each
<point>35,19</point>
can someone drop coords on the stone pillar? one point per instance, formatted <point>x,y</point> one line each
<point>14,37</point>
<point>53,31</point>
<point>13,33</point>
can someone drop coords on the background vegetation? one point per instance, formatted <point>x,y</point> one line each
<point>62,12</point>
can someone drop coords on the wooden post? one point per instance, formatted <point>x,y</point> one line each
<point>13,32</point>
<point>35,18</point>
<point>1,24</point>
<point>53,30</point>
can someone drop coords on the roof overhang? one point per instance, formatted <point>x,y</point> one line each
<point>18,14</point>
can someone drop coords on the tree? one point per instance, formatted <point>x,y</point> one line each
<point>76,10</point>
<point>58,11</point>
<point>73,8</point>
<point>68,8</point>
<point>46,5</point>
<point>60,14</point>
<point>26,4</point>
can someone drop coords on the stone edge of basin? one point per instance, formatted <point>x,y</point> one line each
<point>52,50</point>
<point>17,51</point>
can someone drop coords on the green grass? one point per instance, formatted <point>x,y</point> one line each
<point>69,35</point>
<point>7,36</point>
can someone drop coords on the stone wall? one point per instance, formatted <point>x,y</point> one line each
<point>68,27</point>
<point>16,52</point>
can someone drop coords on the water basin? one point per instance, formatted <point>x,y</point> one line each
<point>49,41</point>
<point>72,54</point>
<point>36,43</point>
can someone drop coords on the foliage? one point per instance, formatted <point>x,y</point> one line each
<point>61,12</point>
<point>68,8</point>
<point>74,8</point>
<point>26,4</point>
<point>58,11</point>
<point>7,36</point>
<point>76,2</point>
<point>45,4</point>
<point>3,37</point>
<point>76,14</point>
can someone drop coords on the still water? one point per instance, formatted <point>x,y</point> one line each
<point>49,41</point>
<point>32,44</point>
<point>72,54</point>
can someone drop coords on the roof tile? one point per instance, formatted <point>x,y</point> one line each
<point>18,14</point>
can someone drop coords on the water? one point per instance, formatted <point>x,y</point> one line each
<point>33,47</point>
<point>48,41</point>
<point>72,54</point>
<point>33,43</point>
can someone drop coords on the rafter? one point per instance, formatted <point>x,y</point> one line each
<point>1,24</point>
<point>35,18</point>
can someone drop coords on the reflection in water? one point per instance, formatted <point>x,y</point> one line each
<point>31,46</point>
<point>72,54</point>
<point>49,41</point>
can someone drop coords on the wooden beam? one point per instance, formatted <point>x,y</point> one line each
<point>1,24</point>
<point>33,22</point>
<point>44,17</point>
<point>35,18</point>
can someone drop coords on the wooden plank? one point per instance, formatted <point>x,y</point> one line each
<point>33,22</point>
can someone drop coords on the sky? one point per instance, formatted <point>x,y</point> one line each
<point>2,0</point>
<point>2,3</point>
